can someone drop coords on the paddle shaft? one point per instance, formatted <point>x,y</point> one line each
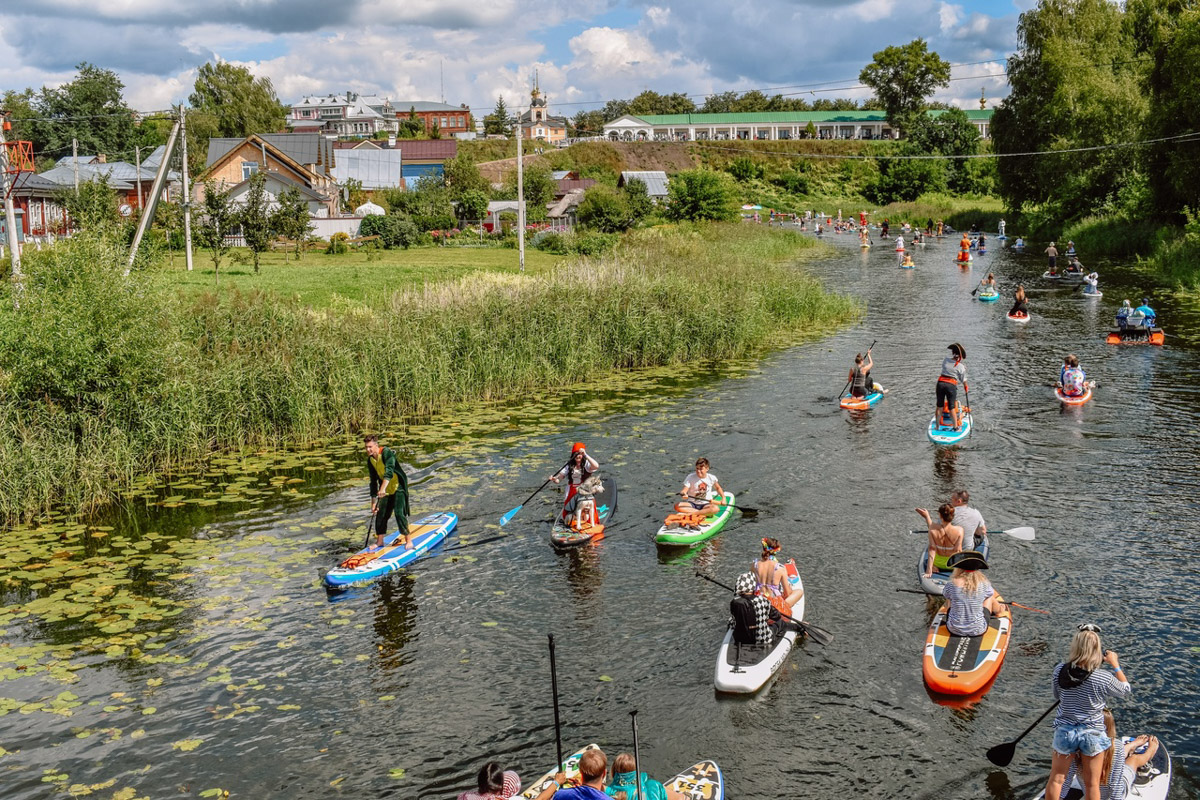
<point>370,528</point>
<point>843,392</point>
<point>637,758</point>
<point>507,517</point>
<point>1036,722</point>
<point>743,509</point>
<point>804,626</point>
<point>967,392</point>
<point>554,690</point>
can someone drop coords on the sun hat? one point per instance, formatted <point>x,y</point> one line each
<point>958,349</point>
<point>968,559</point>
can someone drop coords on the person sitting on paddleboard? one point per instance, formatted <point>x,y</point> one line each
<point>1070,249</point>
<point>1123,315</point>
<point>625,782</point>
<point>1120,764</point>
<point>593,768</point>
<point>969,519</point>
<point>1082,689</point>
<point>772,576</point>
<point>495,783</point>
<point>954,372</point>
<point>581,467</point>
<point>698,492</point>
<point>751,614</point>
<point>1071,378</point>
<point>1092,279</point>
<point>945,539</point>
<point>1020,306</point>
<point>988,284</point>
<point>585,501</point>
<point>1074,267</point>
<point>389,491</point>
<point>860,375</point>
<point>1052,255</point>
<point>969,594</point>
<point>908,261</point>
<point>1020,244</point>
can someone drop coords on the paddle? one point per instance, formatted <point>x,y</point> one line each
<point>843,392</point>
<point>370,529</point>
<point>1002,754</point>
<point>1006,602</point>
<point>750,512</point>
<point>507,517</point>
<point>554,689</point>
<point>1024,534</point>
<point>818,635</point>
<point>637,758</point>
<point>968,394</point>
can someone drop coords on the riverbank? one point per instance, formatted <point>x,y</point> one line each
<point>105,380</point>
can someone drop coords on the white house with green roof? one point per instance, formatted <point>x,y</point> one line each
<point>769,125</point>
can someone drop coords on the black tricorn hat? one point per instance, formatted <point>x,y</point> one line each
<point>958,350</point>
<point>968,560</point>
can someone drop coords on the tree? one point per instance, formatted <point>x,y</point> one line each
<point>902,181</point>
<point>588,123</point>
<point>1063,97</point>
<point>218,218</point>
<point>743,168</point>
<point>91,110</point>
<point>292,219</point>
<point>498,123</point>
<point>93,207</point>
<point>256,219</point>
<point>721,103</point>
<point>903,77</point>
<point>235,102</point>
<point>700,195</point>
<point>950,133</point>
<point>410,127</point>
<point>650,102</point>
<point>540,187</point>
<point>637,200</point>
<point>603,209</point>
<point>353,194</point>
<point>462,176</point>
<point>472,205</point>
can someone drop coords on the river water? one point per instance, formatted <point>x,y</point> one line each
<point>188,647</point>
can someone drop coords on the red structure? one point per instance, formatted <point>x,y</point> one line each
<point>20,158</point>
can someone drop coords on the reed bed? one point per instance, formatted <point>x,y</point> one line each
<point>105,379</point>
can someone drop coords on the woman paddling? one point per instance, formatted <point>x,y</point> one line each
<point>1082,688</point>
<point>860,375</point>
<point>970,595</point>
<point>772,577</point>
<point>581,467</point>
<point>1120,763</point>
<point>987,286</point>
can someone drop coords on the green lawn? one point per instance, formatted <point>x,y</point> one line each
<point>357,276</point>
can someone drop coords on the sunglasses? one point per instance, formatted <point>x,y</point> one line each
<point>1087,626</point>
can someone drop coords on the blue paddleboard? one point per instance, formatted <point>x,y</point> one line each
<point>946,434</point>
<point>427,532</point>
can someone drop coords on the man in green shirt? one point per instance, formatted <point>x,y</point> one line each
<point>389,491</point>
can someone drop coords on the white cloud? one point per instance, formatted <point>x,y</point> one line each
<point>949,16</point>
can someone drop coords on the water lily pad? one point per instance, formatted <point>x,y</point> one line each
<point>187,745</point>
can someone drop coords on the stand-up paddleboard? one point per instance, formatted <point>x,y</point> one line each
<point>1151,782</point>
<point>862,403</point>
<point>563,533</point>
<point>1018,317</point>
<point>946,434</point>
<point>427,533</point>
<point>569,767</point>
<point>962,665</point>
<point>988,297</point>
<point>1002,237</point>
<point>1096,295</point>
<point>675,533</point>
<point>936,582</point>
<point>1073,400</point>
<point>744,669</point>
<point>702,781</point>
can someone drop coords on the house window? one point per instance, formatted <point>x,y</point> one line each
<point>444,125</point>
<point>248,169</point>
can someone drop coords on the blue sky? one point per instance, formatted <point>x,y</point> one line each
<point>585,52</point>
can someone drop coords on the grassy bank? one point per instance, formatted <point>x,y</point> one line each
<point>104,379</point>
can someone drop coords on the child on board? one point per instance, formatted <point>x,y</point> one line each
<point>699,490</point>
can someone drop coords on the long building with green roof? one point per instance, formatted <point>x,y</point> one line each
<point>769,125</point>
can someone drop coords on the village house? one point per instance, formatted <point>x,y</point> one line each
<point>303,161</point>
<point>348,114</point>
<point>655,180</point>
<point>131,182</point>
<point>447,119</point>
<point>769,125</point>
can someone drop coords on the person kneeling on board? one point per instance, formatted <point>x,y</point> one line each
<point>945,539</point>
<point>389,491</point>
<point>1120,764</point>
<point>969,594</point>
<point>751,614</point>
<point>1071,379</point>
<point>1020,306</point>
<point>773,578</point>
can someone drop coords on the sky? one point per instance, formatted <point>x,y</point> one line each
<point>584,52</point>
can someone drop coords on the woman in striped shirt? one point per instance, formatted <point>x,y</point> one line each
<point>1082,688</point>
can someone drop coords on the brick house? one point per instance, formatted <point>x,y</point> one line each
<point>448,119</point>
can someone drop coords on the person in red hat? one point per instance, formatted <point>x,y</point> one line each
<point>581,467</point>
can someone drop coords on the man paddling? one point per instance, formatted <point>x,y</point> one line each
<point>389,491</point>
<point>751,614</point>
<point>970,520</point>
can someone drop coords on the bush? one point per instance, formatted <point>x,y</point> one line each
<point>337,244</point>
<point>603,209</point>
<point>594,244</point>
<point>550,242</point>
<point>792,183</point>
<point>905,181</point>
<point>393,230</point>
<point>700,195</point>
<point>745,169</point>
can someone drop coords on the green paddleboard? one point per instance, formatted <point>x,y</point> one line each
<point>671,535</point>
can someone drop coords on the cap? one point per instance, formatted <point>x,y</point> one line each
<point>578,446</point>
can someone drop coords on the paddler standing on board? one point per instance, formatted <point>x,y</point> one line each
<point>581,467</point>
<point>954,372</point>
<point>389,491</point>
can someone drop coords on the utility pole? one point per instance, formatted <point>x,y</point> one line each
<point>10,215</point>
<point>187,192</point>
<point>137,163</point>
<point>75,162</point>
<point>160,179</point>
<point>520,194</point>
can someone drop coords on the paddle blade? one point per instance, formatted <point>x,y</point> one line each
<point>1002,754</point>
<point>747,512</point>
<point>507,517</point>
<point>818,635</point>
<point>1024,534</point>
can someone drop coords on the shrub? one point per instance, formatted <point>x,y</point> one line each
<point>603,209</point>
<point>594,244</point>
<point>792,182</point>
<point>337,244</point>
<point>699,195</point>
<point>745,169</point>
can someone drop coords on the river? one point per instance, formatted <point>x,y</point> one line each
<point>186,647</point>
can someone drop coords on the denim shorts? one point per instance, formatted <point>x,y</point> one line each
<point>1084,739</point>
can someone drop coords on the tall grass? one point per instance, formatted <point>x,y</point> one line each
<point>1115,236</point>
<point>104,379</point>
<point>959,213</point>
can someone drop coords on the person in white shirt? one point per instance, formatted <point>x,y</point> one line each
<point>698,491</point>
<point>970,520</point>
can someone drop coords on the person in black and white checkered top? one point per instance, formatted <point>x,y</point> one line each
<point>752,614</point>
